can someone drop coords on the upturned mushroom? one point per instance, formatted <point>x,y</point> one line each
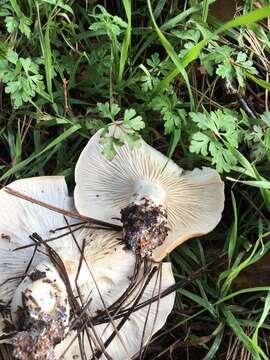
<point>159,204</point>
<point>39,318</point>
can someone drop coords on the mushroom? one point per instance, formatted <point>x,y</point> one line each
<point>99,269</point>
<point>40,313</point>
<point>158,203</point>
<point>138,328</point>
<point>20,219</point>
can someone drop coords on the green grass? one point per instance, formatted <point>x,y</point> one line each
<point>199,90</point>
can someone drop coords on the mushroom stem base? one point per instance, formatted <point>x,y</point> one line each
<point>40,311</point>
<point>144,226</point>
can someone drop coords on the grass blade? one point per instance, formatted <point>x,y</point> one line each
<point>173,55</point>
<point>206,4</point>
<point>197,299</point>
<point>126,42</point>
<point>262,319</point>
<point>48,59</point>
<point>262,83</point>
<point>233,232</point>
<point>245,19</point>
<point>239,332</point>
<point>51,145</point>
<point>261,184</point>
<point>215,346</point>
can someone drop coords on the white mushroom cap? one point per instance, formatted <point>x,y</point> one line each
<point>106,267</point>
<point>194,199</point>
<point>139,327</point>
<point>20,219</point>
<point>111,267</point>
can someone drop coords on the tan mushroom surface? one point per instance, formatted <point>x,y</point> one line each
<point>180,204</point>
<point>99,269</point>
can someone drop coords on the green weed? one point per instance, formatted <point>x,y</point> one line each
<point>196,89</point>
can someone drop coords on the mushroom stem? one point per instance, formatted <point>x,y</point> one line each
<point>144,226</point>
<point>40,312</point>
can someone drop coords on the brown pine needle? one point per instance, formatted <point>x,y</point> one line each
<point>71,214</point>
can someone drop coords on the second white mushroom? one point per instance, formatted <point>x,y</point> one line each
<point>42,320</point>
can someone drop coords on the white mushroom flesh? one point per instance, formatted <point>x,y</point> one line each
<point>40,313</point>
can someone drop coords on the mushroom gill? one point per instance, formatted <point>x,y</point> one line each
<point>158,203</point>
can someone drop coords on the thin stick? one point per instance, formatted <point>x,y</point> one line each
<point>102,300</point>
<point>91,338</point>
<point>47,240</point>
<point>126,317</point>
<point>68,226</point>
<point>158,280</point>
<point>134,285</point>
<point>71,214</point>
<point>169,290</point>
<point>60,267</point>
